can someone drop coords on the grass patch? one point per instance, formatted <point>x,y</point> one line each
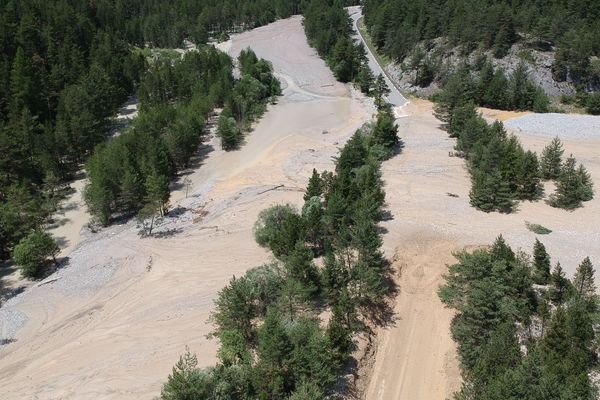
<point>537,228</point>
<point>527,56</point>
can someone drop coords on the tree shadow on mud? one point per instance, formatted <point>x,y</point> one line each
<point>381,313</point>
<point>195,162</point>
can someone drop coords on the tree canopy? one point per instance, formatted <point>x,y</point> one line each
<point>512,344</point>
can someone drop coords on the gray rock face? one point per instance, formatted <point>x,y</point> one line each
<point>539,65</point>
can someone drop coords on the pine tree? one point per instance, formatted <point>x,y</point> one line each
<point>300,267</point>
<point>131,191</point>
<point>229,132</point>
<point>496,94</point>
<point>528,182</point>
<point>583,281</point>
<point>307,391</point>
<point>522,89</point>
<point>334,276</point>
<point>274,350</point>
<point>570,187</point>
<point>502,353</point>
<point>501,250</point>
<point>541,262</point>
<point>365,79</point>
<point>587,186</point>
<point>489,192</point>
<point>186,381</point>
<point>385,132</point>
<point>506,34</point>
<point>556,343</point>
<point>380,91</point>
<point>22,83</point>
<point>560,285</point>
<point>157,192</point>
<point>315,186</point>
<point>551,161</point>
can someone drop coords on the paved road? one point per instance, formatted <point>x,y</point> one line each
<point>395,97</point>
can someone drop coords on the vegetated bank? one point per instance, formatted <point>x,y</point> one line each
<point>286,330</point>
<point>557,42</point>
<point>523,331</point>
<point>502,172</point>
<point>132,172</point>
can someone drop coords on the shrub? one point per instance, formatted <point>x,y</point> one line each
<point>33,251</point>
<point>537,228</point>
<point>593,104</point>
<point>279,228</point>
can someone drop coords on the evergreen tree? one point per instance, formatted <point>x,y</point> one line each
<point>157,192</point>
<point>229,132</point>
<point>560,286</point>
<point>506,34</point>
<point>385,132</point>
<point>572,187</point>
<point>551,161</point>
<point>22,83</point>
<point>365,79</point>
<point>380,91</point>
<point>583,281</point>
<point>502,353</point>
<point>541,262</point>
<point>307,391</point>
<point>186,381</point>
<point>528,181</point>
<point>315,186</point>
<point>587,186</point>
<point>490,192</point>
<point>274,350</point>
<point>312,216</point>
<point>235,310</point>
<point>299,267</point>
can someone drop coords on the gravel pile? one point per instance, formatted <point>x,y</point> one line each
<point>11,321</point>
<point>561,125</point>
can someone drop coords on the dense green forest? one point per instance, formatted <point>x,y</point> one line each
<point>168,23</point>
<point>502,172</point>
<point>61,78</point>
<point>572,28</point>
<point>66,66</point>
<point>277,340</point>
<point>486,86</point>
<point>523,331</point>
